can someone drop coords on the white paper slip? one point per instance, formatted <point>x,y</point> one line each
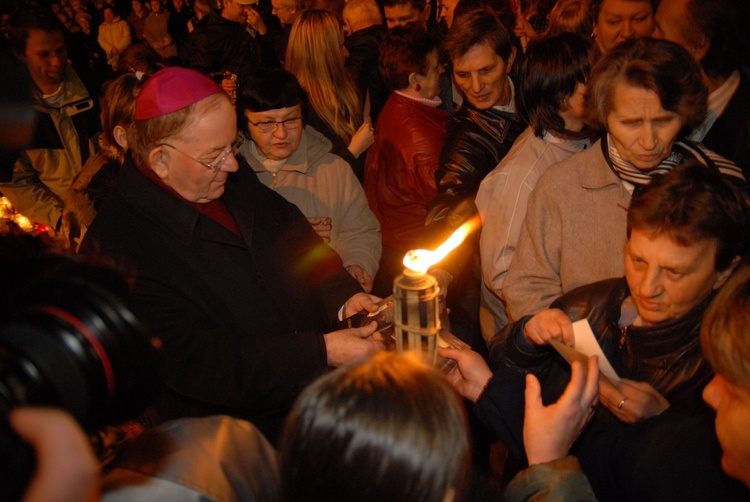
<point>585,346</point>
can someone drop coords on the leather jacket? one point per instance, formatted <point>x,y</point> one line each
<point>477,140</point>
<point>668,355</point>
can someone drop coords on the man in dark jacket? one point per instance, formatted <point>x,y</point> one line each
<point>714,34</point>
<point>479,135</point>
<point>229,275</point>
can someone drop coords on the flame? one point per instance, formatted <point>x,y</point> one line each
<point>420,260</point>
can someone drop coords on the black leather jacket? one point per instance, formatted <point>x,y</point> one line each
<point>477,140</point>
<point>668,356</point>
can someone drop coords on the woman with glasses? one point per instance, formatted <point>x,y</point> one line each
<point>315,56</point>
<point>295,160</point>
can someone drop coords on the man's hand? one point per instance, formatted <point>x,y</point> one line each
<point>363,278</point>
<point>550,431</point>
<point>255,21</point>
<point>347,345</point>
<point>550,324</point>
<point>471,374</point>
<point>67,470</point>
<point>360,302</point>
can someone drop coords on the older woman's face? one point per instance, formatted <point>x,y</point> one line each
<point>642,131</point>
<point>667,280</point>
<point>620,20</point>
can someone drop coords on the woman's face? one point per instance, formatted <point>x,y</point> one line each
<point>573,112</point>
<point>642,131</point>
<point>430,83</point>
<point>666,280</point>
<point>620,20</point>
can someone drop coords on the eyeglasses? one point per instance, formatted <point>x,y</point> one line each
<point>215,166</point>
<point>270,125</point>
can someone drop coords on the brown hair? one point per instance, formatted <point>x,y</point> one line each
<point>656,65</point>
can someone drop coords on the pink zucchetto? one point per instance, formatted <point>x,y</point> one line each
<point>172,89</point>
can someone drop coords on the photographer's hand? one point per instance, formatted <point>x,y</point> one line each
<point>67,470</point>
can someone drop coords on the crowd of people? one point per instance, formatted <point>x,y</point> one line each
<point>259,169</point>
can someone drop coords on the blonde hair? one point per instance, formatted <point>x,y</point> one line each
<point>313,56</point>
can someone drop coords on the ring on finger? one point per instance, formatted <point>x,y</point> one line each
<point>619,406</point>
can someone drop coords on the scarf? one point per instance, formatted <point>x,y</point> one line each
<point>682,150</point>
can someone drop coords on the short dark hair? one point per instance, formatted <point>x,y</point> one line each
<point>693,203</point>
<point>476,27</point>
<point>660,66</point>
<point>548,75</point>
<point>721,23</point>
<point>404,50</point>
<point>269,90</point>
<point>416,4</point>
<point>391,428</point>
<point>31,18</point>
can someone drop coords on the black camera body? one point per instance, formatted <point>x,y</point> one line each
<point>69,340</point>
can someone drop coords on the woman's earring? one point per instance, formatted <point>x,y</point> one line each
<point>418,87</point>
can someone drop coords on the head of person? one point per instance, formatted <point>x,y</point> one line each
<point>725,338</point>
<point>552,83</point>
<point>687,231</point>
<point>37,38</point>
<point>83,19</point>
<point>481,55</point>
<point>184,129</point>
<point>137,6</point>
<point>570,16</point>
<point>156,6</point>
<point>236,10</point>
<point>409,61</point>
<point>447,11</point>
<point>139,57</point>
<point>390,428</point>
<point>109,14</point>
<point>316,43</point>
<point>618,20</point>
<point>270,111</point>
<point>361,14</point>
<point>202,8</point>
<point>401,12</point>
<point>710,31</point>
<point>117,103</point>
<point>646,93</point>
<point>287,10</point>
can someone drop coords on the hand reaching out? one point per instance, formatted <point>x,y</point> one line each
<point>471,374</point>
<point>632,401</point>
<point>550,431</point>
<point>362,139</point>
<point>550,324</point>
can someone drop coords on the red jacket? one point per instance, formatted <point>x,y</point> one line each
<point>400,167</point>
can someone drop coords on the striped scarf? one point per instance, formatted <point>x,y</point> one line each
<point>682,150</point>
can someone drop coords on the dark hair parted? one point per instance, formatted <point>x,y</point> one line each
<point>693,203</point>
<point>388,429</point>
<point>477,27</point>
<point>31,18</point>
<point>548,75</point>
<point>404,51</point>
<point>725,331</point>
<point>269,90</point>
<point>660,66</point>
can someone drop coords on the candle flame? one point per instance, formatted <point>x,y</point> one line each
<point>420,260</point>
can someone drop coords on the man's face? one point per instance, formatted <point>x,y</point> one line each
<point>447,8</point>
<point>235,12</point>
<point>109,15</point>
<point>401,14</point>
<point>204,140</point>
<point>732,405</point>
<point>283,139</point>
<point>285,14</point>
<point>156,6</point>
<point>46,57</point>
<point>672,24</point>
<point>483,76</point>
<point>77,5</point>
<point>667,280</point>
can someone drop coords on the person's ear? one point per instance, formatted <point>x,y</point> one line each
<point>426,13</point>
<point>699,50</point>
<point>511,60</point>
<point>120,136</point>
<point>413,82</point>
<point>158,159</point>
<point>724,275</point>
